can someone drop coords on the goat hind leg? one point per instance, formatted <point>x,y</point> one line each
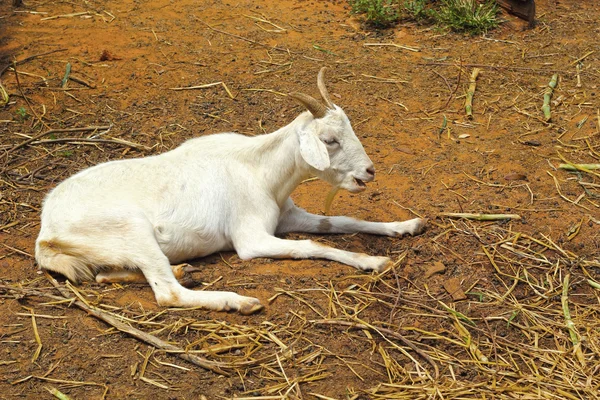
<point>144,252</point>
<point>170,293</point>
<point>181,272</point>
<point>121,276</point>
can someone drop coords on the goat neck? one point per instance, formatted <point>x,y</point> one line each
<point>281,167</point>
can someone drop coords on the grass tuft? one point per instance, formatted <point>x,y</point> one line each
<point>377,13</point>
<point>467,16</point>
<point>417,10</point>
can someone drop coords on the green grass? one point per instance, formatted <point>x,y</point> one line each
<point>21,114</point>
<point>417,10</point>
<point>466,16</point>
<point>377,13</point>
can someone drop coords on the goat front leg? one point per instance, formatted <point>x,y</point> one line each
<point>253,245</point>
<point>295,219</point>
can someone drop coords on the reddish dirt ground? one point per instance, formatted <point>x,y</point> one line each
<point>128,55</point>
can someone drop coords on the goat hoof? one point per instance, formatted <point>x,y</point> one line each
<point>250,306</point>
<point>187,281</point>
<point>388,264</point>
<point>418,227</point>
<point>411,227</point>
<point>376,264</point>
<point>183,273</point>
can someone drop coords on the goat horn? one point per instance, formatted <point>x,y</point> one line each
<point>317,109</point>
<point>323,89</point>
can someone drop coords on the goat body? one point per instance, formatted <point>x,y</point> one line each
<point>213,193</point>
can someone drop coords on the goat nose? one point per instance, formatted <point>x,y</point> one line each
<point>371,171</point>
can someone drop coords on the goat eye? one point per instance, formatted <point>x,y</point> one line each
<point>330,142</point>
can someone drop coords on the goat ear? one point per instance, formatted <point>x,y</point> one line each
<point>312,150</point>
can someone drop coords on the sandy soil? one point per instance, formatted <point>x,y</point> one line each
<point>127,57</point>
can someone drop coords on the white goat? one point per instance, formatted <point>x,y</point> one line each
<point>121,219</point>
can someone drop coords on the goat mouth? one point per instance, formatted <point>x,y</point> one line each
<point>361,185</point>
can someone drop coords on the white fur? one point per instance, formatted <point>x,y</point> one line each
<point>213,193</point>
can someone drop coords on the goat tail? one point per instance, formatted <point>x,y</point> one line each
<point>64,258</point>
